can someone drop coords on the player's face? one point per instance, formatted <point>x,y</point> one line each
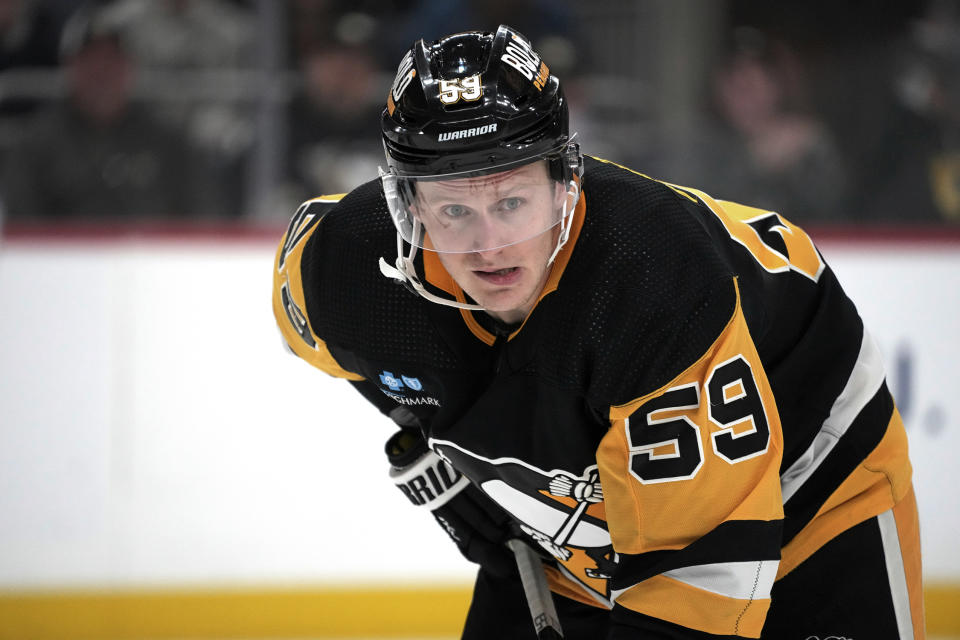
<point>504,228</point>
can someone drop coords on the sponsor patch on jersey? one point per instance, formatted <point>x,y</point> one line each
<point>416,401</point>
<point>396,387</point>
<point>391,381</point>
<point>398,383</point>
<point>467,133</point>
<point>412,383</point>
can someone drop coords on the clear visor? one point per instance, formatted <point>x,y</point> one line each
<point>481,213</point>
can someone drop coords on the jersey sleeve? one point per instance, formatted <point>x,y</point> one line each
<point>289,302</point>
<point>690,477</point>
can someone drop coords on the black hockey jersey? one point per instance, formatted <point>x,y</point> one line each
<point>692,408</point>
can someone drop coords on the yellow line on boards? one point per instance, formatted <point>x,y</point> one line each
<point>316,613</point>
<point>942,604</point>
<point>291,613</point>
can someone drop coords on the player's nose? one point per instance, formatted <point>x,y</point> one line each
<point>487,235</point>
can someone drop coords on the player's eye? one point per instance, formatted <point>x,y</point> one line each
<point>455,211</point>
<point>511,204</point>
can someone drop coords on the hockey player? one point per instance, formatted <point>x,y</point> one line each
<point>668,396</point>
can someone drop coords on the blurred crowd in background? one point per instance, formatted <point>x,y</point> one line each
<point>237,110</point>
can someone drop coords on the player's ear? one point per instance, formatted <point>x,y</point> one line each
<point>415,209</point>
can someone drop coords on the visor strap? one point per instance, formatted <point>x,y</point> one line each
<point>566,222</point>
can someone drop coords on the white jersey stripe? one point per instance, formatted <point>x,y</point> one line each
<point>896,574</point>
<point>740,580</point>
<point>863,383</point>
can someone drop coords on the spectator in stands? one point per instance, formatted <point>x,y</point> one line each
<point>29,39</point>
<point>764,145</point>
<point>333,145</point>
<point>854,61</point>
<point>191,53</point>
<point>203,37</point>
<point>886,143</point>
<point>29,45</point>
<point>930,87</point>
<point>99,154</point>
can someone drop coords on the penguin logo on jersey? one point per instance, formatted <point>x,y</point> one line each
<point>585,492</point>
<point>559,510</point>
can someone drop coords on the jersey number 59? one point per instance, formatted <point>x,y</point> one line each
<point>666,445</point>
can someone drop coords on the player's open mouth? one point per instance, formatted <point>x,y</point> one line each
<point>509,275</point>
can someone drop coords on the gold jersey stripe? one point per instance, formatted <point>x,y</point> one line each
<point>908,532</point>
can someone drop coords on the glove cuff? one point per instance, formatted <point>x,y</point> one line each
<point>429,482</point>
<point>404,448</point>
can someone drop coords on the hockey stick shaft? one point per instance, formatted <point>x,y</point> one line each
<point>539,600</point>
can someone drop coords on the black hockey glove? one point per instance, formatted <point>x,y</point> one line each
<point>475,523</point>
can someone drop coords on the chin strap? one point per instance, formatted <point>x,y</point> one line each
<point>405,272</point>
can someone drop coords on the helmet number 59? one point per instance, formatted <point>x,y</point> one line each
<point>467,89</point>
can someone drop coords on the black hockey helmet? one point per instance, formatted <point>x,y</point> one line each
<point>472,103</point>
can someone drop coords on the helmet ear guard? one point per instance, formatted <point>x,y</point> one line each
<point>568,163</point>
